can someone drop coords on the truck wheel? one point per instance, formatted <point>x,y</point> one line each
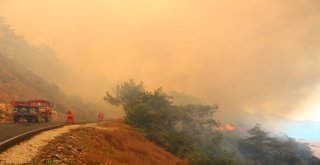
<point>29,119</point>
<point>16,119</point>
<point>36,119</point>
<point>47,119</point>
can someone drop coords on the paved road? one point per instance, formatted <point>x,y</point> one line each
<point>10,130</point>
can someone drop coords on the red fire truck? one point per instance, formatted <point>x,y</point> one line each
<point>32,110</point>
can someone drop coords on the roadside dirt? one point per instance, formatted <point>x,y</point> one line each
<point>25,151</point>
<point>110,142</point>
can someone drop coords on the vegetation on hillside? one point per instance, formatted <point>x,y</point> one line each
<point>29,72</point>
<point>40,59</point>
<point>189,131</point>
<point>19,83</point>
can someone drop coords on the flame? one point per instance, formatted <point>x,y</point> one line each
<point>227,127</point>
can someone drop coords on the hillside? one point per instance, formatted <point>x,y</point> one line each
<point>19,83</point>
<point>40,59</point>
<point>110,142</point>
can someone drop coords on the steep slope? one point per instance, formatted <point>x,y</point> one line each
<point>40,59</point>
<point>19,83</point>
<point>111,142</point>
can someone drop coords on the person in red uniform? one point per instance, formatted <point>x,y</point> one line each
<point>70,119</point>
<point>100,116</point>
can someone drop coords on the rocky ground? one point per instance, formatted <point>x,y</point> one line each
<point>110,142</point>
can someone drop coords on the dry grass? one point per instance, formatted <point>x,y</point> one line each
<point>114,143</point>
<point>122,145</point>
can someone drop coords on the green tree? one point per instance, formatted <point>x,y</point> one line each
<point>127,94</point>
<point>259,147</point>
<point>187,131</point>
<point>198,119</point>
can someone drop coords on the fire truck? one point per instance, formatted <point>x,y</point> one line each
<point>32,110</point>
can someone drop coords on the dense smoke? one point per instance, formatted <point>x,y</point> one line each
<point>254,56</point>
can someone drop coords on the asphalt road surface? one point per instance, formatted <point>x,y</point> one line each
<point>10,130</point>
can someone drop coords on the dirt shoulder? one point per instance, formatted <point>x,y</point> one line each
<point>25,151</point>
<point>110,142</point>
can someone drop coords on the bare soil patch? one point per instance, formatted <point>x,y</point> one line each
<point>110,142</point>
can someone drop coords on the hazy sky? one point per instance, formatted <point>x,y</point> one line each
<point>251,55</point>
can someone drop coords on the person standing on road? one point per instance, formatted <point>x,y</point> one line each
<point>70,118</point>
<point>100,116</point>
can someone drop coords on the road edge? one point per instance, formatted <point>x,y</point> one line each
<point>4,145</point>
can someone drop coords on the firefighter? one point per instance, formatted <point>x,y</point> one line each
<point>70,118</point>
<point>100,116</point>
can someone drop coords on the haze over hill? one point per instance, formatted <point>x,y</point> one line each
<point>243,55</point>
<point>256,57</point>
<point>234,62</point>
<point>19,83</point>
<point>30,72</point>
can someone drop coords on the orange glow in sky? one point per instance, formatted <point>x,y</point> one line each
<point>245,56</point>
